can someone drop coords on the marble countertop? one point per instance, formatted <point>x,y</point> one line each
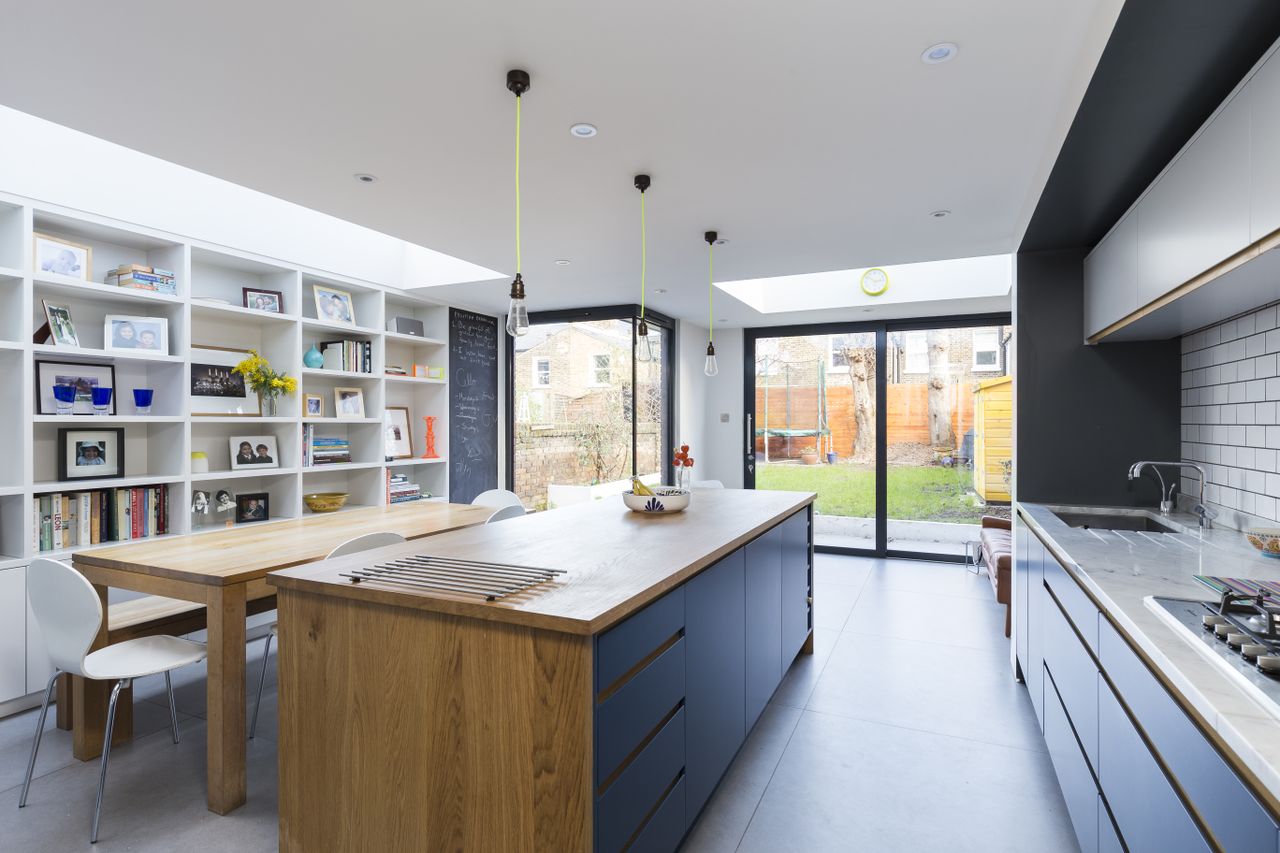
<point>1121,570</point>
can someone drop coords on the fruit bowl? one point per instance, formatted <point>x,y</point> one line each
<point>325,501</point>
<point>1265,539</point>
<point>664,499</point>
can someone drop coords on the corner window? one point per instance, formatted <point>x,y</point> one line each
<point>986,350</point>
<point>600,373</point>
<point>542,373</point>
<point>916,349</point>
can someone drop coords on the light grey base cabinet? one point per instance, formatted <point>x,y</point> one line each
<point>1136,771</point>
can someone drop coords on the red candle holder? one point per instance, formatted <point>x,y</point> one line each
<point>431,437</point>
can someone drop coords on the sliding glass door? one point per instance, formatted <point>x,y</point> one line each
<point>587,408</point>
<point>904,429</point>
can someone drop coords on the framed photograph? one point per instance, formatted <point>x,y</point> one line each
<point>85,377</point>
<point>90,454</point>
<point>127,333</point>
<point>397,436</point>
<point>348,402</point>
<point>62,257</point>
<point>200,502</point>
<point>254,506</point>
<point>215,389</point>
<point>334,305</point>
<point>224,501</point>
<point>268,301</point>
<point>312,406</point>
<point>61,329</point>
<point>253,451</point>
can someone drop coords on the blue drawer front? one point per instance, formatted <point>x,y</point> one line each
<point>1228,808</point>
<point>1078,605</point>
<point>1074,675</point>
<point>664,830</point>
<point>625,645</point>
<point>624,805</point>
<point>1146,807</point>
<point>764,621</point>
<point>627,717</point>
<point>1078,787</point>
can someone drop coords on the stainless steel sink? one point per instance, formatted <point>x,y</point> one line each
<point>1114,521</point>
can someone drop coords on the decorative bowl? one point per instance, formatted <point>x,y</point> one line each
<point>325,501</point>
<point>1265,539</point>
<point>664,499</point>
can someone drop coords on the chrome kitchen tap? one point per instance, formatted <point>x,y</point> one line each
<point>1203,511</point>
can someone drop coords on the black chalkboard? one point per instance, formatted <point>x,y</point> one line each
<point>473,404</point>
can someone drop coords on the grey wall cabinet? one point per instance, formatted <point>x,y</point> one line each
<point>1111,277</point>
<point>764,618</point>
<point>1264,150</point>
<point>715,666</point>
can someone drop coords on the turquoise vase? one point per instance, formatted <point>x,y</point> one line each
<point>313,358</point>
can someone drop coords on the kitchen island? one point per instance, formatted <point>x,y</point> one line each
<point>596,711</point>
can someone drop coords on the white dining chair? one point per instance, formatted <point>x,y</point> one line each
<point>497,498</point>
<point>366,542</point>
<point>70,613</point>
<point>503,513</point>
<point>708,484</point>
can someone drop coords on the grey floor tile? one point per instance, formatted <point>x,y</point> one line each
<point>846,785</point>
<point>832,604</point>
<point>952,619</point>
<point>729,811</point>
<point>805,671</point>
<point>926,577</point>
<point>833,569</point>
<point>937,687</point>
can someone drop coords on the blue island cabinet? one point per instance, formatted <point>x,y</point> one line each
<point>764,621</point>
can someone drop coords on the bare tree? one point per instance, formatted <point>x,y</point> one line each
<point>861,361</point>
<point>941,435</point>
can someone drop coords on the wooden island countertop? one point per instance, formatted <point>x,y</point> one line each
<point>614,561</point>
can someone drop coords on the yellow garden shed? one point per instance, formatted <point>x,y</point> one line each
<point>993,438</point>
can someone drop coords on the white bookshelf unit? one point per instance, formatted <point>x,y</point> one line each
<point>206,312</point>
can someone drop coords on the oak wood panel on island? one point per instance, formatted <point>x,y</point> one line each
<point>614,561</point>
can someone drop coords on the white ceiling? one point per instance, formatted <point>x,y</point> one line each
<point>807,132</point>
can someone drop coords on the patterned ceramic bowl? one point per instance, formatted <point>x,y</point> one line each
<point>325,501</point>
<point>1265,539</point>
<point>663,500</point>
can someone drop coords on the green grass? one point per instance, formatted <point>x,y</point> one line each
<point>926,493</point>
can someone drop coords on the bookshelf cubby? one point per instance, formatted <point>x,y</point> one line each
<point>206,311</point>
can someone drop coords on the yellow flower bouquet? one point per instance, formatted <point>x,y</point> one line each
<point>269,384</point>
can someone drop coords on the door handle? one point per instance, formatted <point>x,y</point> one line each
<point>751,436</point>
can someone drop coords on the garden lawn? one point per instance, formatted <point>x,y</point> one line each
<point>924,493</point>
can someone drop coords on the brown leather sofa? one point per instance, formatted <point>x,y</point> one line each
<point>996,539</point>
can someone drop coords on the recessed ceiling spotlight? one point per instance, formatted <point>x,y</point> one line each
<point>659,290</point>
<point>721,320</point>
<point>365,177</point>
<point>582,130</point>
<point>720,241</point>
<point>939,53</point>
<point>939,214</point>
<point>563,262</point>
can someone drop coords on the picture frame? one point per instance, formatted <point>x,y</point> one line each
<point>61,330</point>
<point>253,451</point>
<point>130,333</point>
<point>200,502</point>
<point>224,501</point>
<point>333,304</point>
<point>266,301</point>
<point>90,453</point>
<point>252,507</point>
<point>312,406</point>
<point>348,403</point>
<point>396,433</point>
<point>85,376</point>
<point>60,256</point>
<point>214,390</point>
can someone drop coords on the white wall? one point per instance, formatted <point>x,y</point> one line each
<point>691,394</point>
<point>724,443</point>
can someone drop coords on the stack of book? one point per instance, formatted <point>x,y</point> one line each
<point>396,370</point>
<point>323,451</point>
<point>400,490</point>
<point>141,277</point>
<point>78,519</point>
<point>353,356</point>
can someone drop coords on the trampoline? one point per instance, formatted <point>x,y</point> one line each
<point>811,421</point>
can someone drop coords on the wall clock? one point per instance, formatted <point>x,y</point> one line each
<point>875,281</point>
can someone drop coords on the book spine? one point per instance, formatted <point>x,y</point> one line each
<point>46,523</point>
<point>55,506</point>
<point>36,544</point>
<point>85,535</point>
<point>135,514</point>
<point>95,525</point>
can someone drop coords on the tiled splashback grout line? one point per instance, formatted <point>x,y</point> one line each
<point>1230,417</point>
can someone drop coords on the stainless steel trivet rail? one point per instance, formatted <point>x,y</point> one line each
<point>490,581</point>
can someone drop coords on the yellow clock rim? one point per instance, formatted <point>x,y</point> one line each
<point>862,282</point>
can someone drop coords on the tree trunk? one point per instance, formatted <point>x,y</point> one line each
<point>864,404</point>
<point>940,433</point>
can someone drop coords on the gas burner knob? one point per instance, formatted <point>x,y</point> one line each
<point>1236,639</point>
<point>1212,620</point>
<point>1221,631</point>
<point>1270,664</point>
<point>1251,651</point>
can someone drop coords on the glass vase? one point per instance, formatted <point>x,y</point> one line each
<point>268,403</point>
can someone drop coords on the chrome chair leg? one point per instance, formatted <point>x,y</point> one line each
<point>35,747</point>
<point>262,679</point>
<point>173,706</point>
<point>106,755</point>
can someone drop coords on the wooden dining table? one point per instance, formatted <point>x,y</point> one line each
<point>226,572</point>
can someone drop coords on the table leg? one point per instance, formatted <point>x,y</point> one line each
<point>64,702</point>
<point>226,609</point>
<point>89,703</point>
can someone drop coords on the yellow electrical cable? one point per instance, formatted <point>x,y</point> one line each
<point>517,184</point>
<point>644,254</point>
<point>711,278</point>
